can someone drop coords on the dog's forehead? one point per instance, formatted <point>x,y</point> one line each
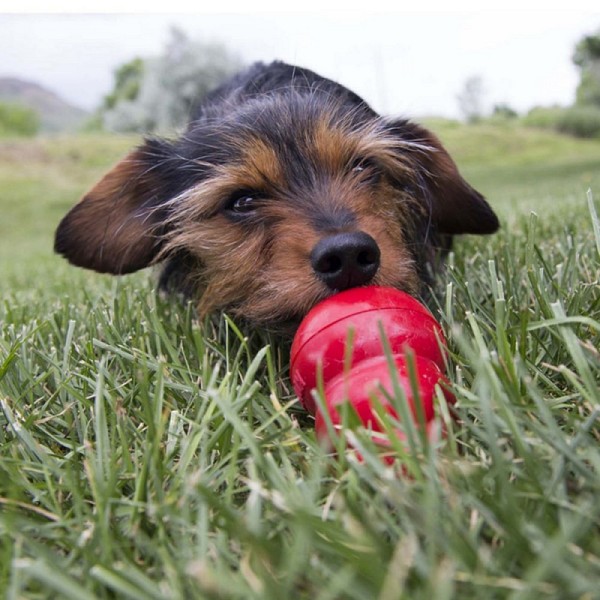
<point>290,144</point>
<point>299,132</point>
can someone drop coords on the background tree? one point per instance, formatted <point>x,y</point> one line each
<point>159,94</point>
<point>470,99</point>
<point>18,120</point>
<point>128,80</point>
<point>504,111</point>
<point>587,58</point>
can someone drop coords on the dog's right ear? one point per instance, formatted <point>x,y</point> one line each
<point>453,205</point>
<point>117,226</point>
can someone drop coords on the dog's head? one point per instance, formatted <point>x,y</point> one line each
<point>278,202</point>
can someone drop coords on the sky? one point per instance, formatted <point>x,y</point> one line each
<point>403,62</point>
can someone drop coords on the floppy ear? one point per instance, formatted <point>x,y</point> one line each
<point>455,206</point>
<point>116,227</point>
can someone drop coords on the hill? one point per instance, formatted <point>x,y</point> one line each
<point>55,113</point>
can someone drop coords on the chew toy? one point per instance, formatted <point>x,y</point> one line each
<point>340,338</point>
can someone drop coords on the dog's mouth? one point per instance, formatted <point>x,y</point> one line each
<point>286,320</point>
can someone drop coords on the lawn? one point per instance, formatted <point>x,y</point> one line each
<point>144,454</point>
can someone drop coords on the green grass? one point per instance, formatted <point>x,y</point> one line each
<point>146,455</point>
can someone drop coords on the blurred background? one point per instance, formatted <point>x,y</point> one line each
<point>125,72</point>
<point>513,95</point>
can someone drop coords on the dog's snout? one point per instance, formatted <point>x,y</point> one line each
<point>346,260</point>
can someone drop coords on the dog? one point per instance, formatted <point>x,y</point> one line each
<point>285,188</point>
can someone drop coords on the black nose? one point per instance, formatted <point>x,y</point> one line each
<point>346,260</point>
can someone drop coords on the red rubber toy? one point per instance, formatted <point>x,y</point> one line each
<point>321,339</point>
<point>321,344</point>
<point>372,379</point>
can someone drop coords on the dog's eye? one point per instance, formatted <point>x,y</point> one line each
<point>243,202</point>
<point>366,169</point>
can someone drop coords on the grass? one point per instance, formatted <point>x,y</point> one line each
<point>146,455</point>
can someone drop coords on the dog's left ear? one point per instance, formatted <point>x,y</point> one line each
<point>455,206</point>
<point>116,228</point>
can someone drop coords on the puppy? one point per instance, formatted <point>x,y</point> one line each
<point>285,188</point>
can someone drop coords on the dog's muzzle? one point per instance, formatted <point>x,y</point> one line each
<point>346,260</point>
